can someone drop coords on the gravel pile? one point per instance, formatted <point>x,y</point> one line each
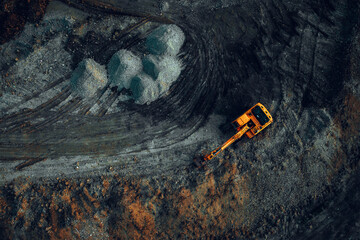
<point>165,40</point>
<point>122,68</point>
<point>148,78</point>
<point>161,66</point>
<point>88,78</point>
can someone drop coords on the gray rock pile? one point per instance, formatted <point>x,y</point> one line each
<point>123,66</point>
<point>164,70</point>
<point>161,65</point>
<point>147,78</point>
<point>166,39</point>
<point>88,78</point>
<point>144,89</point>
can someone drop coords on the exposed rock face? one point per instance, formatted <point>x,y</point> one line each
<point>123,66</point>
<point>88,78</point>
<point>166,39</point>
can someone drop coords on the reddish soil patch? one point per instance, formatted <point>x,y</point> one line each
<point>15,13</point>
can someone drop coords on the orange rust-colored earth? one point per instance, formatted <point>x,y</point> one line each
<point>68,207</point>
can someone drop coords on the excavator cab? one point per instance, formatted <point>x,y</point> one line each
<point>257,118</point>
<point>250,123</point>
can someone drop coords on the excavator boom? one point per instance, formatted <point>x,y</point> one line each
<point>237,136</point>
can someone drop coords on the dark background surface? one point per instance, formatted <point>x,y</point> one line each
<point>300,180</point>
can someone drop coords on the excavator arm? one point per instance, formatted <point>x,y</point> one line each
<point>218,150</point>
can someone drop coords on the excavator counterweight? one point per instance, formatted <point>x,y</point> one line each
<point>250,123</point>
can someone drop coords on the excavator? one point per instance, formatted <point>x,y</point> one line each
<point>250,123</point>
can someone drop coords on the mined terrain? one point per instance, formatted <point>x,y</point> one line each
<point>105,167</point>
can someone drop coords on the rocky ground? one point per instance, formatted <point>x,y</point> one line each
<point>105,167</point>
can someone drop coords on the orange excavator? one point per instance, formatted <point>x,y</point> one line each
<point>250,123</point>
